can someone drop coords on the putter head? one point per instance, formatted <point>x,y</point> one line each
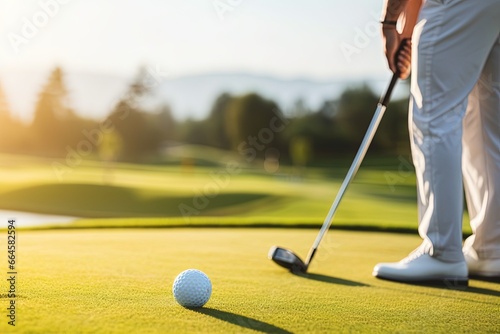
<point>287,259</point>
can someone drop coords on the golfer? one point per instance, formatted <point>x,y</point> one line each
<point>454,121</point>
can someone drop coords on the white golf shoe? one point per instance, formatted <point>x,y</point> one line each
<point>487,268</point>
<point>420,268</point>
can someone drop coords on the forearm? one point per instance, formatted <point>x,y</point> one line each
<point>393,10</point>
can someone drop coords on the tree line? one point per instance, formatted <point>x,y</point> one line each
<point>250,124</point>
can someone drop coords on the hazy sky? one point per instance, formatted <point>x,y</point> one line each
<point>288,38</point>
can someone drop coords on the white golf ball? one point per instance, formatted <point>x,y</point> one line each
<point>192,288</point>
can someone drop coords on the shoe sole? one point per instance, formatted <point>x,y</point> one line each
<point>449,282</point>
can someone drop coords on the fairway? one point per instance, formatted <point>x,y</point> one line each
<point>119,281</point>
<point>381,197</point>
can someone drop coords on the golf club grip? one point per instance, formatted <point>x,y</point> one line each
<point>372,128</point>
<point>384,100</point>
<point>387,96</point>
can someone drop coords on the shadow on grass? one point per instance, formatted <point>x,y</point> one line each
<point>495,279</point>
<point>329,279</point>
<point>242,321</point>
<point>453,286</point>
<point>101,201</point>
<point>483,291</point>
<point>472,289</point>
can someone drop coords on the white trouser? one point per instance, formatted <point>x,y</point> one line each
<point>455,125</point>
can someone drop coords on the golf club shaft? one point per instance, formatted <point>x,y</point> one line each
<point>372,128</point>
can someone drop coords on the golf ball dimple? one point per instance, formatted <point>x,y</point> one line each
<point>192,288</point>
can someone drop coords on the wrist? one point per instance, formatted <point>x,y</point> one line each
<point>387,24</point>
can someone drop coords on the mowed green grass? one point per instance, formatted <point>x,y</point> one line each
<point>228,192</point>
<point>119,281</point>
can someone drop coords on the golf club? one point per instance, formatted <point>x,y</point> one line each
<point>287,258</point>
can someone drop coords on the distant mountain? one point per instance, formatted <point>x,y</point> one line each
<point>94,94</point>
<point>194,95</point>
